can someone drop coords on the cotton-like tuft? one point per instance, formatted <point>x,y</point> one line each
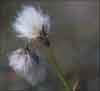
<point>29,22</point>
<point>25,66</point>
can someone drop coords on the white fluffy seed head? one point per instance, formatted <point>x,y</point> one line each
<point>29,22</point>
<point>24,66</point>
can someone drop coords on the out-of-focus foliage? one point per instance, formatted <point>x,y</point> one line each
<point>77,20</point>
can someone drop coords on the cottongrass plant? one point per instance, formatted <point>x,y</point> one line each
<point>28,25</point>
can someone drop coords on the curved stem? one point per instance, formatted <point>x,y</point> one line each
<point>52,60</point>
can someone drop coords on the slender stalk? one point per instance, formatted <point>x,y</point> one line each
<point>52,60</point>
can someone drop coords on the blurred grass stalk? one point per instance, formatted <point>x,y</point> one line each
<point>52,61</point>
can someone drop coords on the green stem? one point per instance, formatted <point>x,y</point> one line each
<point>52,60</point>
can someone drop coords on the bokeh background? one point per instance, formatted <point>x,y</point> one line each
<point>74,24</point>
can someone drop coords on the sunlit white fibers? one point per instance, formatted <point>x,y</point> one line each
<point>29,22</point>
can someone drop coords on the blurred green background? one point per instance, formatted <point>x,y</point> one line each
<point>73,26</point>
